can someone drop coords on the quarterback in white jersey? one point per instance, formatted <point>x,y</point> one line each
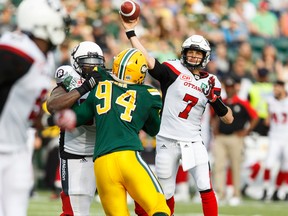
<point>26,75</point>
<point>278,136</point>
<point>77,146</point>
<point>186,90</point>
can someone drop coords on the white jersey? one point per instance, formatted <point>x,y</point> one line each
<point>20,95</point>
<point>184,103</point>
<point>80,141</point>
<point>278,110</point>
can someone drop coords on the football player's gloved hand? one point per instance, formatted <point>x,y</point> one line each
<point>209,92</point>
<point>65,119</point>
<point>90,82</point>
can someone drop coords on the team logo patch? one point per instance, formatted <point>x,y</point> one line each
<point>204,86</point>
<point>185,77</point>
<point>60,73</point>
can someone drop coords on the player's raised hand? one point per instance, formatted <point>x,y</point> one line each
<point>128,25</point>
<point>209,91</point>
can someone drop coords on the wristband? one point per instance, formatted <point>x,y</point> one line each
<point>130,33</point>
<point>219,107</point>
<point>82,89</point>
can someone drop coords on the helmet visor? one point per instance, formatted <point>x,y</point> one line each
<point>90,60</point>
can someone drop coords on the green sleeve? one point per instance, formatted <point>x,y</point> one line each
<point>85,111</point>
<point>152,124</point>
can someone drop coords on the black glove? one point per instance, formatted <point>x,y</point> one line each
<point>91,81</point>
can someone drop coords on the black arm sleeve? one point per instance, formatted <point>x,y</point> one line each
<point>162,73</point>
<point>219,107</point>
<point>14,65</point>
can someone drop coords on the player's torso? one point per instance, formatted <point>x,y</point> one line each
<point>121,112</point>
<point>81,140</point>
<point>183,107</point>
<point>23,102</point>
<point>278,110</point>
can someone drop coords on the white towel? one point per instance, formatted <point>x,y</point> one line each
<point>193,154</point>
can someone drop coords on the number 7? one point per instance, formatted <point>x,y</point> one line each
<point>191,102</point>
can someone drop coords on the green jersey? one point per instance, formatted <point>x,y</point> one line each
<point>120,112</point>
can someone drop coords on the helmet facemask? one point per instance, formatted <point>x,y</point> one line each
<point>85,57</point>
<point>197,43</point>
<point>191,65</point>
<point>87,63</point>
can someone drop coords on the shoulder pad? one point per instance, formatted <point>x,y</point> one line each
<point>68,77</point>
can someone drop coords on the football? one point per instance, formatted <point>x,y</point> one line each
<point>129,10</point>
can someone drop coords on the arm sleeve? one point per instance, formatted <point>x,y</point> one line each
<point>163,73</point>
<point>85,111</point>
<point>152,124</point>
<point>14,64</point>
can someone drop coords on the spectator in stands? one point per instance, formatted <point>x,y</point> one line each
<point>211,30</point>
<point>269,60</point>
<point>249,9</point>
<point>234,32</point>
<point>283,22</point>
<point>245,51</point>
<point>265,23</point>
<point>238,70</point>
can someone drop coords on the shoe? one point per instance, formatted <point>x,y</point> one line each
<point>244,189</point>
<point>264,196</point>
<point>275,196</point>
<point>234,201</point>
<point>286,197</point>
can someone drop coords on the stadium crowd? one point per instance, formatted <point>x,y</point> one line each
<point>249,38</point>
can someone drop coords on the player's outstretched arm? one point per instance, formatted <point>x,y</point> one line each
<point>152,125</point>
<point>130,32</point>
<point>60,99</point>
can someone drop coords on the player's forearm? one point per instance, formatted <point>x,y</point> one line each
<point>84,113</point>
<point>152,124</point>
<point>228,117</point>
<point>136,44</point>
<point>62,100</point>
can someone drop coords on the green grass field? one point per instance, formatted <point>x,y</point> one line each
<point>41,205</point>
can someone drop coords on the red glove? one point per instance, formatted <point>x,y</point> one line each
<point>209,92</point>
<point>65,119</point>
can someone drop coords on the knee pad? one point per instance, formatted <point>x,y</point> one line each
<point>203,184</point>
<point>164,166</point>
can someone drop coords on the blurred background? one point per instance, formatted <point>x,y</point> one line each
<point>247,37</point>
